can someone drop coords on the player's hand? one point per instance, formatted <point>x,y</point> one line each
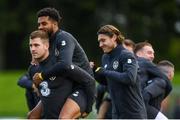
<point>37,79</point>
<point>35,89</point>
<point>93,66</point>
<point>83,115</point>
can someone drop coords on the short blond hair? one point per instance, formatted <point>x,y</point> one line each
<point>39,34</point>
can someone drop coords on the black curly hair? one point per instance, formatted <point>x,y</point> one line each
<point>51,12</point>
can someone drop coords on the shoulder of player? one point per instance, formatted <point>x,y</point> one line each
<point>63,38</point>
<point>125,54</point>
<point>64,34</point>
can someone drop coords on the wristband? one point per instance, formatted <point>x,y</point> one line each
<point>40,76</point>
<point>97,69</point>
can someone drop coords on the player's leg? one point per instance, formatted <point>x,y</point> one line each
<point>74,106</point>
<point>103,109</point>
<point>83,78</point>
<point>36,112</point>
<point>70,110</point>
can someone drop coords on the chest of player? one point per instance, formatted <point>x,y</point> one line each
<point>113,63</point>
<point>54,52</point>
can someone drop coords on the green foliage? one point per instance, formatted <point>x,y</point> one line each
<point>176,80</point>
<point>138,20</point>
<point>174,48</point>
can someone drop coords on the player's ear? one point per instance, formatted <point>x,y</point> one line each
<point>55,23</point>
<point>114,37</point>
<point>139,54</point>
<point>47,45</point>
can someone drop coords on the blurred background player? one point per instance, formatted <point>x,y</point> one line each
<point>155,85</point>
<point>167,68</point>
<point>129,44</point>
<point>103,103</point>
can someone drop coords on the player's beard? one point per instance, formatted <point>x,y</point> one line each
<point>50,32</point>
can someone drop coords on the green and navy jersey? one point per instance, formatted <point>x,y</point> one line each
<point>123,84</point>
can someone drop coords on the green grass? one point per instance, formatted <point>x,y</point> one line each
<point>12,97</point>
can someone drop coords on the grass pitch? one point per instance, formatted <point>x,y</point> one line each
<point>12,97</point>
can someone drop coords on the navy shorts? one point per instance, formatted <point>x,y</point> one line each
<point>80,98</point>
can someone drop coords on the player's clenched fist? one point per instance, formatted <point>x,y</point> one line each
<point>37,79</point>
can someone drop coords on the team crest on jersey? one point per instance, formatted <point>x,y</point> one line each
<point>115,64</point>
<point>56,52</point>
<point>63,43</point>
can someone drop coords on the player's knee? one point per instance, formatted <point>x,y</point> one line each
<point>69,115</point>
<point>28,115</point>
<point>70,110</point>
<point>31,116</point>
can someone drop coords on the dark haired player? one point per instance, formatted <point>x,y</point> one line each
<point>64,51</point>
